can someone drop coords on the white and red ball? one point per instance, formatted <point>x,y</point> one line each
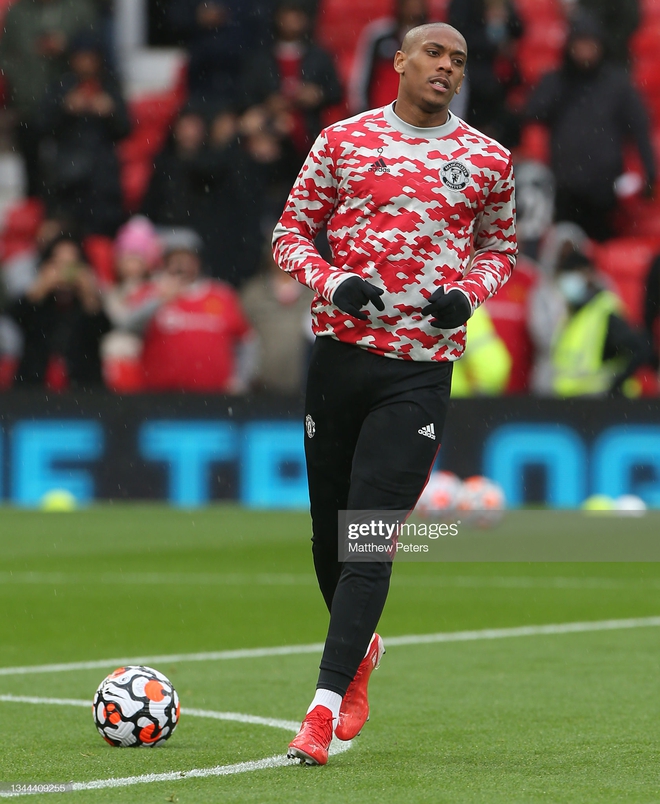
<point>440,495</point>
<point>136,706</point>
<point>482,500</point>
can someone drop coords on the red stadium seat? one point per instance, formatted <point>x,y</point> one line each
<point>135,177</point>
<point>152,116</point>
<point>626,261</point>
<point>340,22</point>
<point>650,11</point>
<point>8,366</point>
<point>123,375</point>
<point>534,143</point>
<point>22,222</point>
<point>100,252</point>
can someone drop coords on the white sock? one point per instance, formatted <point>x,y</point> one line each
<point>331,700</point>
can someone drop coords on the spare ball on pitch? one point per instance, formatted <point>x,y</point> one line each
<point>136,706</point>
<point>58,500</point>
<point>630,505</point>
<point>482,501</point>
<point>440,495</point>
<point>597,503</point>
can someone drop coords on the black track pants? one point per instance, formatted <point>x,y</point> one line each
<point>364,451</point>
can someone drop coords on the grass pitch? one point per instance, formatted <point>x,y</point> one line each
<point>540,718</point>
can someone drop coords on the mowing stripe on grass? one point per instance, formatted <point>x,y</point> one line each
<point>317,647</point>
<point>292,579</point>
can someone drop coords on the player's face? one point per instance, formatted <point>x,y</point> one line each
<point>432,70</point>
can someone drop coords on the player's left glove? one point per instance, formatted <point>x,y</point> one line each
<point>447,310</point>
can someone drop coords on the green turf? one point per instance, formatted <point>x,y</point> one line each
<point>555,718</point>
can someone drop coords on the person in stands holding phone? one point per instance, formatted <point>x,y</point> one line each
<point>62,321</point>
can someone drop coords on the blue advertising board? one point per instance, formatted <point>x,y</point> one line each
<point>195,450</point>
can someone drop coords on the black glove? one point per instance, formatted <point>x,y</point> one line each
<point>354,293</point>
<point>448,310</point>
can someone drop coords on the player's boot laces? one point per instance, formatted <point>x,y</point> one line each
<point>312,742</point>
<point>354,711</point>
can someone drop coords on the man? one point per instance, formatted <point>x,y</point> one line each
<point>83,116</point>
<point>409,194</point>
<point>196,336</point>
<point>592,110</point>
<point>33,51</point>
<point>596,351</point>
<point>373,81</point>
<point>295,78</point>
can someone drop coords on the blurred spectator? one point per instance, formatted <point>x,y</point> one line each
<point>535,204</point>
<point>82,118</point>
<point>61,320</point>
<point>278,308</point>
<point>486,363</point>
<point>294,78</point>
<point>196,336</point>
<point>510,311</point>
<point>265,172</point>
<point>546,305</point>
<point>591,108</point>
<point>596,350</point>
<point>33,50</point>
<point>560,240</point>
<point>491,29</point>
<point>652,309</point>
<point>200,180</point>
<point>218,35</point>
<point>137,253</point>
<point>619,18</point>
<point>19,269</point>
<point>374,82</point>
<point>169,199</point>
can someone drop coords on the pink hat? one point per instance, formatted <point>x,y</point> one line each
<point>138,236</point>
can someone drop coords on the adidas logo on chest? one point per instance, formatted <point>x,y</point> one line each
<point>379,166</point>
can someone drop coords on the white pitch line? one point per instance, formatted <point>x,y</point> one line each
<point>279,761</point>
<point>290,579</point>
<point>236,717</point>
<point>317,647</point>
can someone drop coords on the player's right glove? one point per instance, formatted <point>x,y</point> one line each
<point>354,293</point>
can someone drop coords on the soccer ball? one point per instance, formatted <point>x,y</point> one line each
<point>482,500</point>
<point>630,505</point>
<point>440,495</point>
<point>136,706</point>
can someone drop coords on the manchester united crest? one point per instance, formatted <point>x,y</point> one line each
<point>455,175</point>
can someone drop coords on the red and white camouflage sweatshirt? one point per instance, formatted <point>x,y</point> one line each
<point>408,209</point>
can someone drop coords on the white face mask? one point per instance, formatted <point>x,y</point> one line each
<point>574,287</point>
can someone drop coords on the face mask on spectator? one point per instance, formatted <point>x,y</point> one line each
<point>574,287</point>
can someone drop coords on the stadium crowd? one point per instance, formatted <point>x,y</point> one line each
<point>135,235</point>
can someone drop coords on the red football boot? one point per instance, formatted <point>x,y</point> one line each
<point>311,743</point>
<point>354,711</point>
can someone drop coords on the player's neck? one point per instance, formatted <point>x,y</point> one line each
<point>417,117</point>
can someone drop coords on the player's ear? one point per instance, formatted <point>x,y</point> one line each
<point>400,62</point>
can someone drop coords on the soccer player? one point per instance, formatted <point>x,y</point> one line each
<point>419,210</point>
